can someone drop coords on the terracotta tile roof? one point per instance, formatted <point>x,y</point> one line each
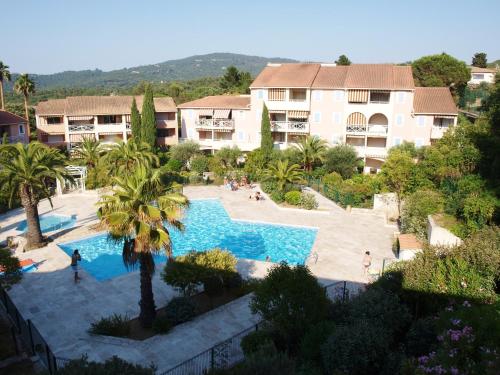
<point>287,75</point>
<point>220,101</point>
<point>379,76</point>
<point>434,100</point>
<point>409,242</point>
<point>331,77</point>
<point>475,69</point>
<point>8,118</point>
<point>51,107</point>
<point>99,105</point>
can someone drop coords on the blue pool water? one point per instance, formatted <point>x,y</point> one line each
<point>207,225</point>
<point>49,223</point>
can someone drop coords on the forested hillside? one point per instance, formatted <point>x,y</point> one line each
<point>189,68</point>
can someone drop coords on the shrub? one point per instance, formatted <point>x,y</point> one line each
<point>183,152</point>
<point>173,165</point>
<point>308,201</point>
<point>333,180</point>
<point>254,341</point>
<point>264,362</point>
<point>478,210</point>
<point>114,325</point>
<point>416,208</point>
<point>310,346</point>
<point>213,285</point>
<point>191,270</point>
<point>356,349</point>
<point>112,366</point>
<point>277,196</point>
<point>341,159</point>
<point>180,310</point>
<point>421,337</point>
<point>293,197</point>
<point>10,267</point>
<point>162,325</point>
<point>291,300</point>
<point>199,164</point>
<point>269,186</point>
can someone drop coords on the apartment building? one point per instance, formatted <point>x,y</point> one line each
<point>13,128</point>
<point>369,106</point>
<point>218,121</point>
<point>480,75</point>
<point>66,122</point>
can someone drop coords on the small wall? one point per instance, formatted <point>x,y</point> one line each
<point>440,236</point>
<point>386,203</point>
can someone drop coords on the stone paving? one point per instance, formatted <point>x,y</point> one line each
<point>63,311</point>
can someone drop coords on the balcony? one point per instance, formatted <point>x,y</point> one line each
<point>371,152</point>
<point>437,132</point>
<point>369,130</point>
<point>81,128</point>
<point>211,124</point>
<point>290,126</point>
<point>51,128</point>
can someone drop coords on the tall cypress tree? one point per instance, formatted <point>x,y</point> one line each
<point>148,123</point>
<point>266,140</point>
<point>135,122</point>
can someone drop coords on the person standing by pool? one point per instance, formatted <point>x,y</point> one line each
<point>75,258</point>
<point>367,262</point>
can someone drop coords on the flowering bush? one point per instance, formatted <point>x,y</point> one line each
<point>462,348</point>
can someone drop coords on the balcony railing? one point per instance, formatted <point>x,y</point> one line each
<point>14,138</point>
<point>437,132</point>
<point>290,126</point>
<point>370,129</point>
<point>81,128</point>
<point>371,152</point>
<point>211,124</point>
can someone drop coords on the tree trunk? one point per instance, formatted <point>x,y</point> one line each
<point>147,302</point>
<point>27,117</point>
<point>34,238</point>
<point>1,94</point>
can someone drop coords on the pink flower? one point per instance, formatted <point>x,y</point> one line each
<point>455,322</point>
<point>453,371</point>
<point>466,304</point>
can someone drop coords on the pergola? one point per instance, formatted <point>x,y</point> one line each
<point>79,175</point>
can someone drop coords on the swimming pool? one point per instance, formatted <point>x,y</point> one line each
<point>207,225</point>
<point>50,223</point>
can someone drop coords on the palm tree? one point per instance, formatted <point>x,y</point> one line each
<point>26,171</point>
<point>282,173</point>
<point>90,151</point>
<point>312,149</point>
<point>25,86</point>
<point>124,157</point>
<point>4,76</point>
<point>137,213</point>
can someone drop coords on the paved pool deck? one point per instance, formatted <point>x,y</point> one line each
<point>63,311</point>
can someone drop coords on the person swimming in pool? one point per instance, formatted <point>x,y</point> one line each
<point>75,258</point>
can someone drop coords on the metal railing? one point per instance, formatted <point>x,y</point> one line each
<point>214,124</point>
<point>29,334</point>
<point>228,353</point>
<point>368,129</point>
<point>81,128</point>
<point>290,126</point>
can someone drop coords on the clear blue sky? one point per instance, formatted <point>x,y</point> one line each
<point>46,36</point>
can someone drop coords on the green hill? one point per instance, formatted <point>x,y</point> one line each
<point>189,68</point>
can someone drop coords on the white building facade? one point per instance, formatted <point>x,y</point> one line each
<point>371,107</point>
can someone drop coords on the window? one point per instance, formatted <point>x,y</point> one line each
<point>337,139</point>
<point>21,129</point>
<point>298,95</point>
<point>242,114</point>
<point>419,142</point>
<point>401,97</point>
<point>54,120</point>
<point>241,136</point>
<point>443,122</point>
<point>477,76</point>
<point>190,133</point>
<point>109,119</point>
<point>380,97</point>
<point>421,120</point>
<point>358,96</point>
<point>397,141</point>
<point>338,95</point>
<point>337,118</point>
<point>276,95</point>
<point>399,120</point>
<point>260,94</point>
<point>190,113</point>
<point>317,116</point>
<point>318,95</point>
<point>169,132</point>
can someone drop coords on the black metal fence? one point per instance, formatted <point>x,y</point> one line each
<point>229,353</point>
<point>33,341</point>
